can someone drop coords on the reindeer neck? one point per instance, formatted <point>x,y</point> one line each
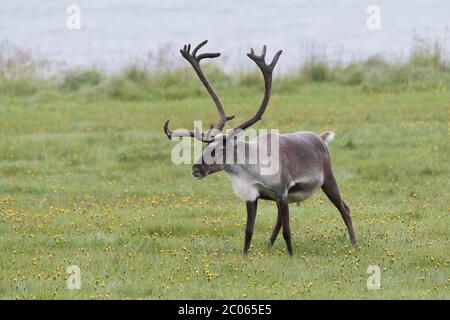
<point>242,161</point>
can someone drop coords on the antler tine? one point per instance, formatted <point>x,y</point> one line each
<point>201,44</point>
<point>170,134</point>
<point>275,59</point>
<point>267,70</point>
<point>203,137</point>
<point>263,54</point>
<point>167,130</point>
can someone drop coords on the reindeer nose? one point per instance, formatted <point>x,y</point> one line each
<point>198,171</point>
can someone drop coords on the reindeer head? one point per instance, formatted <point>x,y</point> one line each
<point>214,157</point>
<point>221,148</point>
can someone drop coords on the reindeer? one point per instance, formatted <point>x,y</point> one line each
<point>304,161</point>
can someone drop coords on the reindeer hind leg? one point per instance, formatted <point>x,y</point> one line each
<point>331,189</point>
<point>276,228</point>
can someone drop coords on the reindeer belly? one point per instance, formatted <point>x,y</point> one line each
<point>249,190</point>
<point>299,196</point>
<point>266,194</point>
<point>301,191</point>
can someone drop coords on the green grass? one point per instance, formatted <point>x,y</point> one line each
<point>86,179</point>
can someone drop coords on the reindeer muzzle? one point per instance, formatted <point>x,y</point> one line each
<point>199,172</point>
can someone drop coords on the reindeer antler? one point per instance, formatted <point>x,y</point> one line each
<point>194,60</point>
<point>267,70</point>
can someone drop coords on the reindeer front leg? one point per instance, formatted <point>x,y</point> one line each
<point>251,216</point>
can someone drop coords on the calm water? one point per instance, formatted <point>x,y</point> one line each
<point>115,32</point>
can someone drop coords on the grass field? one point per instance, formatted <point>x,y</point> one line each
<point>86,179</point>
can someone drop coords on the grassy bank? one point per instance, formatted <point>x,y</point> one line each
<point>86,179</point>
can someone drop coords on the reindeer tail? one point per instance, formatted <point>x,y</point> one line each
<point>327,136</point>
